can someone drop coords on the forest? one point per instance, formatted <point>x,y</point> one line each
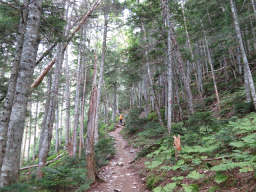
<point>127,95</point>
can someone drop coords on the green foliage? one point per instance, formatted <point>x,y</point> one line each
<point>111,127</point>
<point>243,108</point>
<point>153,164</point>
<point>167,188</point>
<point>104,150</point>
<point>229,166</point>
<point>152,116</point>
<point>220,178</point>
<point>152,181</point>
<point>133,122</point>
<point>195,175</point>
<point>18,187</point>
<point>190,188</point>
<point>67,174</point>
<point>200,119</point>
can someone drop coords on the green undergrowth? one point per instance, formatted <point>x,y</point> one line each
<point>215,153</point>
<point>65,174</point>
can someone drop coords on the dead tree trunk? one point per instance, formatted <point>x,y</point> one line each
<point>90,154</point>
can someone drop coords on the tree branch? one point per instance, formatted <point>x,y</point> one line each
<point>47,163</point>
<point>82,21</point>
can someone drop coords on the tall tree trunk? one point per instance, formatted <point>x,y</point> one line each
<point>10,165</point>
<point>145,95</point>
<point>30,129</point>
<point>90,154</point>
<point>114,104</point>
<point>104,46</point>
<point>254,7</point>
<point>182,70</point>
<point>81,134</point>
<point>77,101</point>
<point>169,65</point>
<point>8,101</point>
<point>198,79</point>
<point>43,142</point>
<point>61,119</point>
<point>24,145</point>
<point>212,71</point>
<point>245,60</point>
<point>47,128</point>
<point>67,101</point>
<point>35,131</point>
<point>57,129</point>
<point>150,76</point>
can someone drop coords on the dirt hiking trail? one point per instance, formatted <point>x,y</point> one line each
<point>119,175</point>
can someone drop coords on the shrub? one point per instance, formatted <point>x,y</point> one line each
<point>153,180</point>
<point>243,107</point>
<point>70,173</point>
<point>18,187</point>
<point>133,122</point>
<point>199,119</point>
<point>111,127</point>
<point>104,151</point>
<point>152,116</point>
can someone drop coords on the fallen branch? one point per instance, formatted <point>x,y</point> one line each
<point>49,66</point>
<point>47,163</point>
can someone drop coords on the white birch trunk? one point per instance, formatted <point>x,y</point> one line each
<point>35,131</point>
<point>77,103</point>
<point>11,161</point>
<point>67,101</point>
<point>8,101</point>
<point>150,77</point>
<point>169,67</point>
<point>245,60</point>
<point>212,71</point>
<point>104,46</point>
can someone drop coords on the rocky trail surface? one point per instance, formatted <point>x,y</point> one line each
<point>119,175</point>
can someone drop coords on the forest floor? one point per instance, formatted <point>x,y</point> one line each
<point>120,175</point>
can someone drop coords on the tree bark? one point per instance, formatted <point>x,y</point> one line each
<point>57,129</point>
<point>244,56</point>
<point>10,165</point>
<point>30,129</point>
<point>150,76</point>
<point>43,142</point>
<point>169,65</point>
<point>35,131</point>
<point>182,70</point>
<point>90,154</point>
<point>81,134</point>
<point>8,101</point>
<point>47,128</point>
<point>212,71</point>
<point>77,100</point>
<point>114,104</point>
<point>104,46</point>
<point>67,101</point>
<point>24,145</point>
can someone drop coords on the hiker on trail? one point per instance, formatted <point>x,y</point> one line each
<point>121,119</point>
